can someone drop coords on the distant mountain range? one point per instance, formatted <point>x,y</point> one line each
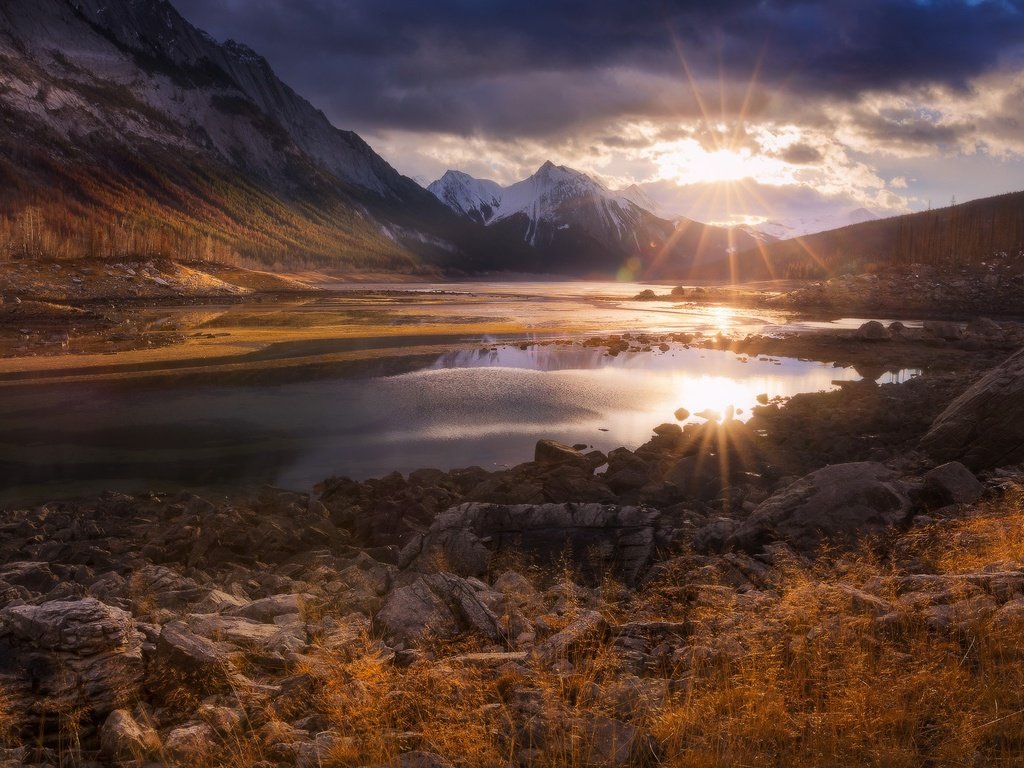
<point>579,226</point>
<point>124,129</point>
<point>803,226</point>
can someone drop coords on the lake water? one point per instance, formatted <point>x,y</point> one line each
<point>483,402</point>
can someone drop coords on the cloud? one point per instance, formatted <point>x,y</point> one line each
<point>801,154</point>
<point>824,99</point>
<point>514,68</point>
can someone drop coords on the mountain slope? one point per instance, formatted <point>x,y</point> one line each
<point>125,127</point>
<point>979,234</point>
<point>580,227</point>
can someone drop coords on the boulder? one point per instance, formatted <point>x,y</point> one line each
<point>190,745</point>
<point>37,578</point>
<point>943,329</point>
<point>123,739</point>
<point>839,502</point>
<point>440,605</point>
<point>984,426</point>
<point>668,430</point>
<point>872,330</point>
<point>552,452</point>
<point>681,414</point>
<point>599,536</point>
<point>269,608</point>
<point>185,658</point>
<point>69,654</point>
<point>951,483</point>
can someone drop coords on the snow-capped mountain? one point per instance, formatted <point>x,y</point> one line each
<point>478,199</point>
<point>578,224</point>
<point>800,227</point>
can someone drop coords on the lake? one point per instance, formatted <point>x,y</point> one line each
<point>435,384</point>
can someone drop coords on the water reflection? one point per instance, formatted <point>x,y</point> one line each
<point>484,406</point>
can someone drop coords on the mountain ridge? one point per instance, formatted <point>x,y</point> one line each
<point>576,222</point>
<point>121,114</point>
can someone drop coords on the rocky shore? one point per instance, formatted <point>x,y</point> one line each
<point>727,592</point>
<point>916,290</point>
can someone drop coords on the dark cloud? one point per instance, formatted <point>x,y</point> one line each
<point>800,154</point>
<point>505,68</point>
<point>912,130</point>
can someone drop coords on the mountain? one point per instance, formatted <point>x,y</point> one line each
<point>801,227</point>
<point>980,235</point>
<point>578,226</point>
<point>126,128</point>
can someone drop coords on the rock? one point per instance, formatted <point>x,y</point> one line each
<point>440,605</point>
<point>872,330</point>
<point>69,654</point>
<point>190,745</point>
<point>984,426</point>
<point>552,452</point>
<point>682,414</point>
<point>245,633</point>
<point>192,660</point>
<point>454,549</point>
<point>589,629</point>
<point>123,739</point>
<point>841,501</point>
<point>709,414</point>
<point>668,430</point>
<point>35,577</point>
<point>600,536</point>
<point>83,627</point>
<point>268,608</point>
<point>943,329</point>
<point>951,483</point>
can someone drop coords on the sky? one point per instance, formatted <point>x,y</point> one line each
<point>731,111</point>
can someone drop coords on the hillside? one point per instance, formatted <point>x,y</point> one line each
<point>128,130</point>
<point>989,231</point>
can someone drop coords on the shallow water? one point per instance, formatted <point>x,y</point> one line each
<point>482,406</point>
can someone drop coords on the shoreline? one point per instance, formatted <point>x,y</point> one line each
<point>610,594</point>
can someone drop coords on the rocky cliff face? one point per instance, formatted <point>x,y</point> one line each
<point>126,108</point>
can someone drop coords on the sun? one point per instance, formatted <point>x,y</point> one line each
<point>687,161</point>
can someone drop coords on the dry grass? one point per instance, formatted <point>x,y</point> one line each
<point>9,721</point>
<point>837,665</point>
<point>825,674</point>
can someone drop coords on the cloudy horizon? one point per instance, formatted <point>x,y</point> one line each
<point>730,111</point>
